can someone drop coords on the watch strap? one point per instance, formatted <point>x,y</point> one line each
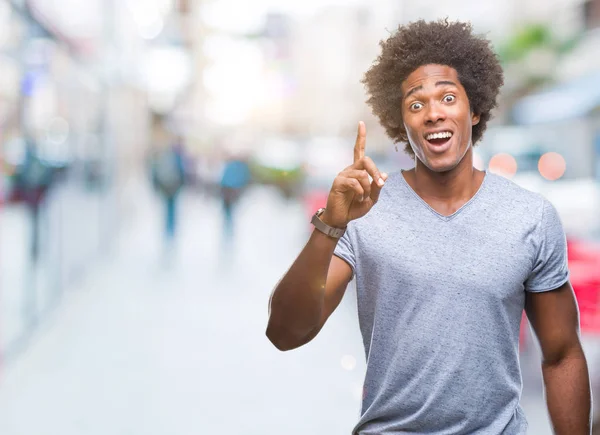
<point>324,228</point>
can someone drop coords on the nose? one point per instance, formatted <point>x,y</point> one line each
<point>434,113</point>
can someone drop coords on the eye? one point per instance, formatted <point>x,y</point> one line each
<point>449,98</point>
<point>416,106</point>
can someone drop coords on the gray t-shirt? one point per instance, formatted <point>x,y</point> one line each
<point>440,299</point>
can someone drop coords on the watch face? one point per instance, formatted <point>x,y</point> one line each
<point>320,211</point>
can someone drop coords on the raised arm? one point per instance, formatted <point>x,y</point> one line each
<point>314,285</point>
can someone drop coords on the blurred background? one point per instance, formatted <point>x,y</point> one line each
<point>160,162</point>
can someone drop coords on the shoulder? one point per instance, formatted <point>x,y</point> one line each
<point>511,196</point>
<point>503,184</point>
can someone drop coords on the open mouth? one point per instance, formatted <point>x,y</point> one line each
<point>438,139</point>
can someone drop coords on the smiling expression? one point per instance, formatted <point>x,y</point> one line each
<point>437,116</point>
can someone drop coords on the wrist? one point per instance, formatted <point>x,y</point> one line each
<point>328,219</point>
<point>324,227</point>
<point>325,241</point>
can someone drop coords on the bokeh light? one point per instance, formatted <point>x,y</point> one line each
<point>348,362</point>
<point>503,164</point>
<point>552,166</point>
<point>57,130</point>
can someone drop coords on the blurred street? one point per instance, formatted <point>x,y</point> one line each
<point>159,164</point>
<point>148,346</point>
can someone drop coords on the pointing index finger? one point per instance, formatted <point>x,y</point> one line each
<point>361,139</point>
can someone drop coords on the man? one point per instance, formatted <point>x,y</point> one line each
<point>445,257</point>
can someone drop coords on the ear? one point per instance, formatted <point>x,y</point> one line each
<point>474,119</point>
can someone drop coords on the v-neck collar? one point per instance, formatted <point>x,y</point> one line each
<point>434,211</point>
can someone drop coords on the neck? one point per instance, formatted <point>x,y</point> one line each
<point>455,184</point>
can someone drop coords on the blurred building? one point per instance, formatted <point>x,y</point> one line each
<point>326,69</point>
<point>79,84</point>
<point>563,112</point>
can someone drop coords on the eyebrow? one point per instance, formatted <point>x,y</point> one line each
<point>420,87</point>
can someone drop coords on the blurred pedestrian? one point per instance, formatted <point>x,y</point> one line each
<point>33,179</point>
<point>168,175</point>
<point>234,180</point>
<point>445,257</point>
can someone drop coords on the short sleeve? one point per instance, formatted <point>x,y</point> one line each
<point>550,266</point>
<point>345,251</point>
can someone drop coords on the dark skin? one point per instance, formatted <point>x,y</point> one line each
<point>444,176</point>
<point>435,101</point>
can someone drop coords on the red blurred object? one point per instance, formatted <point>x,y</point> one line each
<point>584,265</point>
<point>314,200</point>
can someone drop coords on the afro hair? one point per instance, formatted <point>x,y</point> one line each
<point>439,42</point>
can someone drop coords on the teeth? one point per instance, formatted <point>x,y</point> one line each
<point>441,135</point>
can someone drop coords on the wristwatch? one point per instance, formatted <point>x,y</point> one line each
<point>324,228</point>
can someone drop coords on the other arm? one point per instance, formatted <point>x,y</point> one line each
<point>555,321</point>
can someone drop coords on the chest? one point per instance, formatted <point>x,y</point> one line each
<point>487,264</point>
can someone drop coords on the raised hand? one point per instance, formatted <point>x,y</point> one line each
<point>353,194</point>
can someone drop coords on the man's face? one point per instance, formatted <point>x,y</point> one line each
<point>437,116</point>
